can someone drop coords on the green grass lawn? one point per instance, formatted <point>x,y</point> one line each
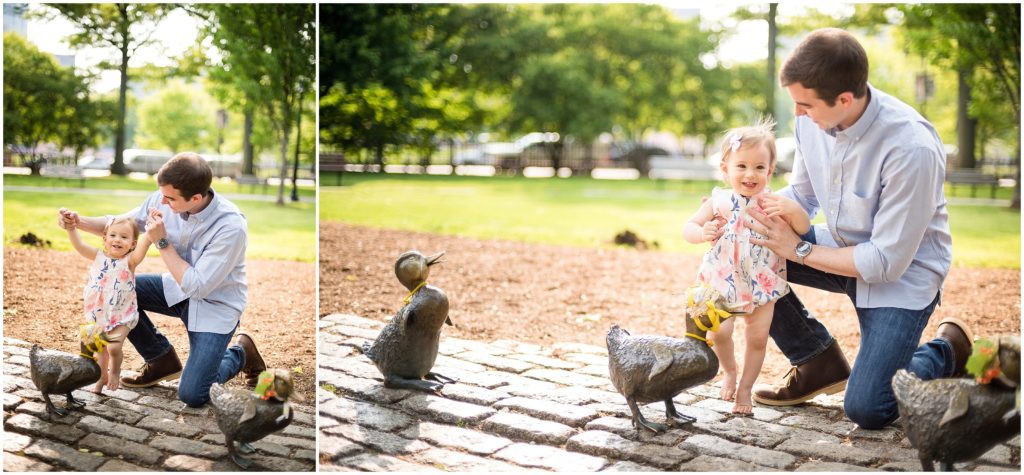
<point>149,184</point>
<point>586,212</point>
<point>275,232</point>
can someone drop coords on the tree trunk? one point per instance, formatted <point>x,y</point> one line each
<point>1015,201</point>
<point>965,124</point>
<point>286,132</point>
<point>247,159</point>
<point>378,151</point>
<point>298,142</point>
<point>773,33</point>
<point>118,167</point>
<point>451,154</point>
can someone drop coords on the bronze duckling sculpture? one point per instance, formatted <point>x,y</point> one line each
<point>246,416</point>
<point>957,420</point>
<point>55,372</point>
<point>406,348</point>
<point>647,368</point>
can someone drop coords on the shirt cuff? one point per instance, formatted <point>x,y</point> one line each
<point>172,291</point>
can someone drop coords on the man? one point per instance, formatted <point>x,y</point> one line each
<point>201,237</point>
<point>875,168</point>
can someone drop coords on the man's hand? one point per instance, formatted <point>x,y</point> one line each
<point>712,230</point>
<point>155,225</point>
<point>778,205</point>
<point>67,219</point>
<point>778,234</point>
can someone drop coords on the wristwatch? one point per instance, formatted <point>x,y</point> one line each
<point>162,243</point>
<point>802,251</point>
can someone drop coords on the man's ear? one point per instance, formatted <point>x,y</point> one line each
<point>845,98</point>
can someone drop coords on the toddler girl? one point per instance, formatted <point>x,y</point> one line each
<point>749,276</point>
<point>110,293</point>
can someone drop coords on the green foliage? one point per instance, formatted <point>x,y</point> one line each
<point>45,102</point>
<point>589,213</point>
<point>178,117</point>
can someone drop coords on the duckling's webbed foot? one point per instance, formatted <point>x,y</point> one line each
<point>946,467</point>
<point>242,462</point>
<point>639,420</point>
<point>674,417</point>
<point>54,409</point>
<point>440,378</point>
<point>74,404</point>
<point>398,382</point>
<point>246,448</point>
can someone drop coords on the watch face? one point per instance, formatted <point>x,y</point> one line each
<point>803,248</point>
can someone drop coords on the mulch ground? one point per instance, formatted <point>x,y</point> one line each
<point>43,304</point>
<point>546,294</point>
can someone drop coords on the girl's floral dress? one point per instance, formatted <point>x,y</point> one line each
<point>109,295</point>
<point>748,275</point>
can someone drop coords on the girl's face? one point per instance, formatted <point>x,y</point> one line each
<point>119,240</point>
<point>748,169</point>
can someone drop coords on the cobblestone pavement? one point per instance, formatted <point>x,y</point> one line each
<point>519,406</point>
<point>131,430</point>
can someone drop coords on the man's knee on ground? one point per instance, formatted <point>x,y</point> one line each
<point>868,416</point>
<point>192,397</point>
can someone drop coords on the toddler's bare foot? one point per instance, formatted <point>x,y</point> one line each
<point>744,406</point>
<point>728,391</point>
<point>98,388</point>
<point>115,381</point>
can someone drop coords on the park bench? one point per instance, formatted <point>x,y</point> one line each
<point>253,181</point>
<point>973,178</point>
<point>332,162</point>
<point>64,172</point>
<point>664,167</point>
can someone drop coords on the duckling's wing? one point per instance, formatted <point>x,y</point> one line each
<point>663,358</point>
<point>67,370</point>
<point>959,403</point>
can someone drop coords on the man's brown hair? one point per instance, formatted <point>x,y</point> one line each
<point>188,173</point>
<point>830,61</point>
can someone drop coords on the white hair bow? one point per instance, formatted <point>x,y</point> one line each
<point>735,140</point>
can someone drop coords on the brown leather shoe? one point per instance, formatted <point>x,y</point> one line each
<point>254,364</point>
<point>163,368</point>
<point>960,338</point>
<point>824,374</point>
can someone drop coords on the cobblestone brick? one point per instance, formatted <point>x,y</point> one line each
<point>356,332</point>
<point>451,436</point>
<point>290,441</point>
<point>547,362</point>
<point>902,466</point>
<point>305,432</point>
<point>550,458</point>
<point>885,451</point>
<point>499,363</point>
<point>15,442</point>
<point>998,455</point>
<point>628,466</point>
<point>383,463</point>
<point>846,453</point>
<point>596,442</point>
<point>600,371</point>
<point>358,366</point>
<point>11,401</point>
<point>361,388</point>
<point>169,426</point>
<point>187,463</point>
<point>16,350</point>
<point>20,360</point>
<point>995,468</point>
<point>188,447</point>
<point>819,423</point>
<point>279,464</point>
<point>365,414</point>
<point>580,396</point>
<point>380,441</point>
<point>571,347</point>
<point>575,416</point>
<point>334,447</point>
<point>17,463</point>
<point>444,410</point>
<point>277,450</point>
<point>117,465</point>
<point>306,454</point>
<point>718,447</point>
<point>760,413</point>
<point>818,466</point>
<point>472,394</point>
<point>114,414</point>
<point>526,387</point>
<point>59,454</point>
<point>352,321</point>
<point>708,463</point>
<point>112,445</point>
<point>520,347</point>
<point>585,359</point>
<point>31,425</point>
<point>451,346</point>
<point>102,426</point>
<point>748,431</point>
<point>451,461</point>
<point>444,363</point>
<point>523,427</point>
<point>123,394</point>
<point>568,378</point>
<point>624,428</point>
<point>486,379</point>
<point>888,434</point>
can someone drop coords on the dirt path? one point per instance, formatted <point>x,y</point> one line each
<point>546,294</point>
<point>43,304</point>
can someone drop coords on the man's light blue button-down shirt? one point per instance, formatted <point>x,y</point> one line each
<point>880,185</point>
<point>213,242</point>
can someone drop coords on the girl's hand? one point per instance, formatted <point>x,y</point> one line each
<point>712,229</point>
<point>67,219</point>
<point>776,205</point>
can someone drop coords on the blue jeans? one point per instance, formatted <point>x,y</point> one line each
<point>209,358</point>
<point>888,342</point>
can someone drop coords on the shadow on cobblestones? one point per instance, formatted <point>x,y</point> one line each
<point>131,430</point>
<point>520,406</point>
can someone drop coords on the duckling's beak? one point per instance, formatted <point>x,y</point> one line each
<point>435,259</point>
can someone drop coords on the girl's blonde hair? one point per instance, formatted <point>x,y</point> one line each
<point>123,219</point>
<point>762,132</point>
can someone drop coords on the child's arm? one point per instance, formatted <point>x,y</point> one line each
<point>139,253</point>
<point>84,249</point>
<point>789,210</point>
<point>702,226</point>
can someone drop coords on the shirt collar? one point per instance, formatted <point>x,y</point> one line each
<point>206,212</point>
<point>859,128</point>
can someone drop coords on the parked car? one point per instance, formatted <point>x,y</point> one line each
<point>90,162</point>
<point>145,161</point>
